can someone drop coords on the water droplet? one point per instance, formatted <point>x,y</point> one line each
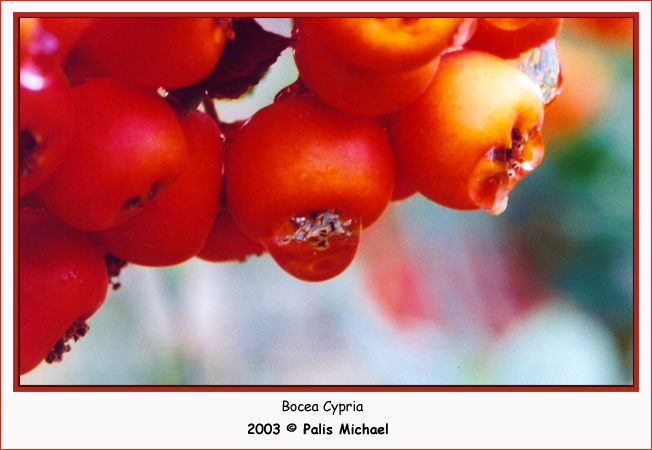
<point>496,174</point>
<point>542,65</point>
<point>315,246</point>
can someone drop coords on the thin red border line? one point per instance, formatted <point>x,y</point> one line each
<point>634,387</point>
<point>319,388</point>
<point>16,201</point>
<point>635,330</point>
<point>633,15</point>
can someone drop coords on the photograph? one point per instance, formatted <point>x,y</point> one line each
<point>319,201</point>
<point>279,208</point>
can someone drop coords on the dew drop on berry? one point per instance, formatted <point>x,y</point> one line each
<point>498,171</point>
<point>315,246</point>
<point>542,65</point>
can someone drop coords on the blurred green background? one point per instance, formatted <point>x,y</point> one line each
<point>540,295</point>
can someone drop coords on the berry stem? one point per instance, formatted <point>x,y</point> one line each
<point>209,108</point>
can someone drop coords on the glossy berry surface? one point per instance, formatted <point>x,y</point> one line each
<point>473,134</point>
<point>47,125</point>
<point>63,281</point>
<point>164,52</point>
<point>508,40</point>
<point>129,145</point>
<point>47,41</point>
<point>391,44</point>
<point>173,225</point>
<point>227,242</point>
<point>351,88</point>
<point>322,161</point>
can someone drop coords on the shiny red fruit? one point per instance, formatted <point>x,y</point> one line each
<point>128,146</point>
<point>304,178</point>
<point>47,124</point>
<point>391,44</point>
<point>173,226</point>
<point>63,281</point>
<point>473,135</point>
<point>508,42</point>
<point>167,52</point>
<point>351,88</point>
<point>227,242</point>
<point>48,40</point>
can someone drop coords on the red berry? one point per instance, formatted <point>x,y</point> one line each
<point>157,52</point>
<point>128,146</point>
<point>473,134</point>
<point>47,124</point>
<point>391,44</point>
<point>504,40</point>
<point>82,65</point>
<point>173,226</point>
<point>66,30</point>
<point>350,88</point>
<point>63,281</point>
<point>305,178</point>
<point>47,41</point>
<point>227,242</point>
<point>403,186</point>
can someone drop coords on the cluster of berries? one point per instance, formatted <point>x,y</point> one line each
<point>123,158</point>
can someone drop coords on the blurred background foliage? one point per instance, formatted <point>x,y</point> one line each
<point>540,295</point>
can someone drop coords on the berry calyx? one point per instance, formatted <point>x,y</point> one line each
<point>498,171</point>
<point>314,246</point>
